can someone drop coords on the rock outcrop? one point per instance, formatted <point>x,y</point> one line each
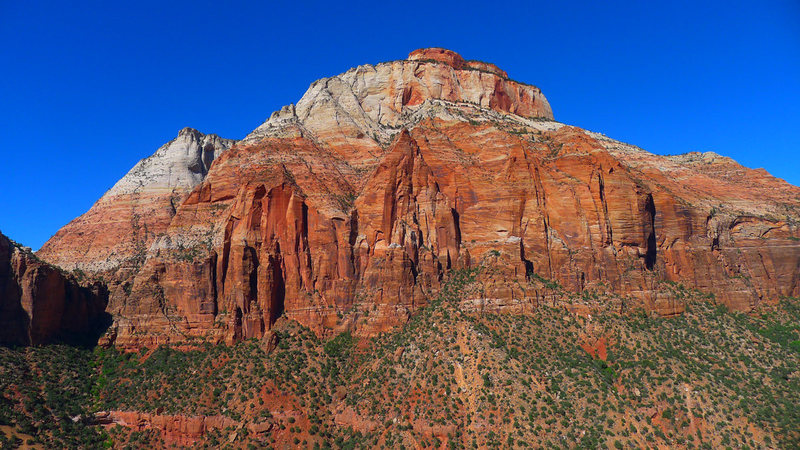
<point>455,60</point>
<point>41,304</point>
<point>355,115</point>
<point>175,429</point>
<point>346,210</point>
<point>116,232</point>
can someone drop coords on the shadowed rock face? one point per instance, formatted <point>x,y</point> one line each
<point>40,304</point>
<point>346,210</point>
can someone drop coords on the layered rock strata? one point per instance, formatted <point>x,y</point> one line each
<point>115,234</point>
<point>175,429</point>
<point>346,211</point>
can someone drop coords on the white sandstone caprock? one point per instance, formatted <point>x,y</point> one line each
<point>180,163</point>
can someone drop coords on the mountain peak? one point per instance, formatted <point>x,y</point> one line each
<point>363,108</point>
<point>189,131</point>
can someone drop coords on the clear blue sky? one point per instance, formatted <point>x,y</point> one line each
<point>89,88</point>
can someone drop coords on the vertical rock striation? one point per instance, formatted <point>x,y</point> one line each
<point>346,210</point>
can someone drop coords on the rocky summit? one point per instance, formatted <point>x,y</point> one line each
<point>420,218</point>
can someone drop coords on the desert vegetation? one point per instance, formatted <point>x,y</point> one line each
<point>563,376</point>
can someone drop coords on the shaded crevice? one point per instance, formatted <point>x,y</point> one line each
<point>546,228</point>
<point>276,306</point>
<point>528,269</point>
<point>650,252</point>
<point>353,227</point>
<point>407,92</point>
<point>353,256</point>
<point>208,158</point>
<point>254,217</point>
<point>214,292</point>
<point>389,212</point>
<point>237,324</point>
<point>528,264</point>
<point>226,251</point>
<point>457,226</point>
<point>304,229</point>
<point>304,249</point>
<point>602,185</point>
<point>250,264</point>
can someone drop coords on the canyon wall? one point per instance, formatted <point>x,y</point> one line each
<point>41,304</point>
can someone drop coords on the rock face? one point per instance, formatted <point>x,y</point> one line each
<point>40,304</point>
<point>347,210</point>
<point>357,114</point>
<point>116,232</point>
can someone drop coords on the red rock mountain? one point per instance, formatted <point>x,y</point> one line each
<point>347,209</point>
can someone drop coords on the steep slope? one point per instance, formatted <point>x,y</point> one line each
<point>40,304</point>
<point>116,232</point>
<point>346,211</point>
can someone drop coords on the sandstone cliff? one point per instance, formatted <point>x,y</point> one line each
<point>40,304</point>
<point>348,209</point>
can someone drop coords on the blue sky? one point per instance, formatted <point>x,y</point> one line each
<point>89,88</point>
